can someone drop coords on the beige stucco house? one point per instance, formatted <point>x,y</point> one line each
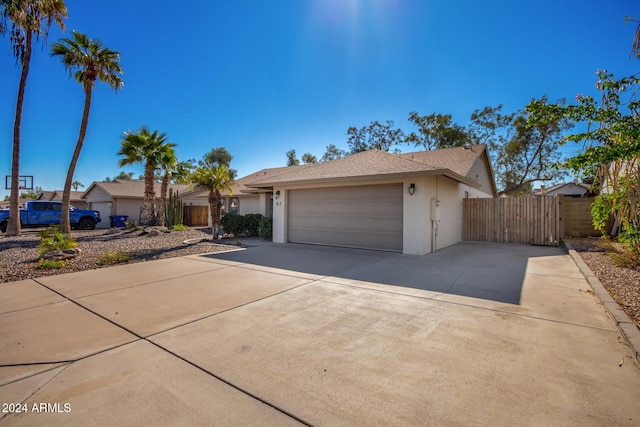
<point>121,197</point>
<point>569,189</point>
<point>76,198</point>
<point>411,203</point>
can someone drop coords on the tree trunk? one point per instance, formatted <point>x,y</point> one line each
<point>149,195</point>
<point>214,207</point>
<point>13,226</point>
<point>66,193</point>
<point>163,194</point>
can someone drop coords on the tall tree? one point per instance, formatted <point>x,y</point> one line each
<point>292,160</point>
<point>611,141</point>
<point>332,153</point>
<point>308,158</point>
<point>522,153</point>
<point>148,148</point>
<point>24,20</point>
<point>376,136</point>
<point>219,156</point>
<point>76,184</point>
<point>88,61</point>
<point>436,131</point>
<point>215,179</point>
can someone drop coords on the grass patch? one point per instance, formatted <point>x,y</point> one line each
<point>114,257</point>
<point>51,264</point>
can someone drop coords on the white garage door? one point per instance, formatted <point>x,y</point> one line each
<point>361,217</point>
<point>105,211</point>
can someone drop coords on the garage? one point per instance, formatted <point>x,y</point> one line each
<point>105,210</point>
<point>362,217</point>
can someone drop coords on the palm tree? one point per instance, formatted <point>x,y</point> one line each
<point>87,60</point>
<point>168,162</point>
<point>215,179</point>
<point>148,148</point>
<point>76,185</point>
<point>23,19</point>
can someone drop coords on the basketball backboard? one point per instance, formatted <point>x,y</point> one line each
<point>25,182</point>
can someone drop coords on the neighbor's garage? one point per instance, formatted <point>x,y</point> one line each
<point>362,217</point>
<point>105,211</point>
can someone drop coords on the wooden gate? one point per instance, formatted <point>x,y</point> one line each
<point>526,220</point>
<point>196,216</point>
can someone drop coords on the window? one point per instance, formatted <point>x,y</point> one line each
<point>234,206</point>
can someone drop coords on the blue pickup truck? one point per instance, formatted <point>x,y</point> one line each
<point>43,213</point>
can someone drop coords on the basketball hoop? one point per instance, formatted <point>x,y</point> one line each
<point>25,182</point>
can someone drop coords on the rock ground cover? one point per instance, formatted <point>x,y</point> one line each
<point>19,255</point>
<point>617,274</point>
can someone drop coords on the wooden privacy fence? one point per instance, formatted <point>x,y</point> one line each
<point>196,216</point>
<point>527,220</point>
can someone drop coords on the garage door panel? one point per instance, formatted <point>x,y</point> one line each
<point>365,217</point>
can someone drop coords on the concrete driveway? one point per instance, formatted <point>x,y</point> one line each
<point>476,334</point>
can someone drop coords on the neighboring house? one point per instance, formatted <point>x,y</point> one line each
<point>76,198</point>
<point>45,195</point>
<point>410,203</point>
<point>121,197</point>
<point>570,189</point>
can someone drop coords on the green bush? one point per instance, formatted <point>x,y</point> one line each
<point>601,210</point>
<point>179,227</point>
<point>233,224</point>
<point>266,228</point>
<point>253,224</point>
<point>53,239</point>
<point>241,224</point>
<point>629,238</point>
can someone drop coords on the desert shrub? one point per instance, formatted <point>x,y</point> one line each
<point>53,239</point>
<point>179,227</point>
<point>50,264</point>
<point>266,228</point>
<point>114,257</point>
<point>132,226</point>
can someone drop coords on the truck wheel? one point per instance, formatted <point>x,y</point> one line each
<point>87,224</point>
<point>3,226</point>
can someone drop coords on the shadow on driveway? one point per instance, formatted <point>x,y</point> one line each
<point>481,270</point>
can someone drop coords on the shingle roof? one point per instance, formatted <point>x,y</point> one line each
<point>74,195</point>
<point>453,162</point>
<point>132,189</point>
<point>457,159</point>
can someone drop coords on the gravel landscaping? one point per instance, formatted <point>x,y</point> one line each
<point>19,256</point>
<point>616,273</point>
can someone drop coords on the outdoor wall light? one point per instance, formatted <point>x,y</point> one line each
<point>110,204</point>
<point>412,188</point>
<point>278,194</point>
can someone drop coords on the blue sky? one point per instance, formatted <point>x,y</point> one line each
<point>262,77</point>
